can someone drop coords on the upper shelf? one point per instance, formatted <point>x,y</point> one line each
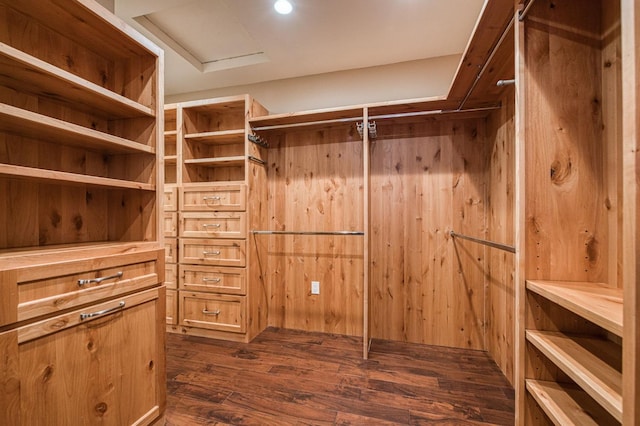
<point>29,74</point>
<point>594,302</point>
<point>224,137</point>
<point>30,124</point>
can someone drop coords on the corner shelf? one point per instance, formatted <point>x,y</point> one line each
<point>217,162</point>
<point>595,302</point>
<point>224,137</point>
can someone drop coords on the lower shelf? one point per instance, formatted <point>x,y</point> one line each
<point>567,404</point>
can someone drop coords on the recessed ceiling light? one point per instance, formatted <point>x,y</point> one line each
<point>283,7</point>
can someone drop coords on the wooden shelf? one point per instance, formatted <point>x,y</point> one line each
<point>52,176</point>
<point>170,159</point>
<point>224,137</point>
<point>567,404</point>
<point>594,302</point>
<point>217,162</point>
<point>32,125</point>
<point>26,73</point>
<point>307,116</point>
<point>598,375</point>
<point>170,133</point>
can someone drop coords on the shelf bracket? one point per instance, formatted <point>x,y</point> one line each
<point>258,140</point>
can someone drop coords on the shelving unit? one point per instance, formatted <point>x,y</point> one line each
<point>80,98</point>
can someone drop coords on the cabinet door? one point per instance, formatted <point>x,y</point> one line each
<point>99,365</point>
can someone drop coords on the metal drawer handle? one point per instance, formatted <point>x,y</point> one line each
<point>213,280</point>
<point>214,198</point>
<point>99,280</point>
<point>215,253</point>
<point>103,312</point>
<point>213,225</point>
<point>216,312</point>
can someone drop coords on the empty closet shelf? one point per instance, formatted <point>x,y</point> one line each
<point>217,162</point>
<point>307,232</point>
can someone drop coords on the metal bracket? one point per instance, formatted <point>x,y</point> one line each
<point>258,140</point>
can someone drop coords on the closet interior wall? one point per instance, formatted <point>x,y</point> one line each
<point>315,183</point>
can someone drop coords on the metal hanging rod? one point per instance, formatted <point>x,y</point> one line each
<point>256,160</point>
<point>434,112</point>
<point>308,123</point>
<point>487,62</point>
<point>524,12</point>
<point>501,83</point>
<point>307,232</point>
<point>258,140</point>
<point>504,247</point>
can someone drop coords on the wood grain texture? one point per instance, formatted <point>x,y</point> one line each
<point>500,265</point>
<point>315,184</point>
<point>428,178</point>
<point>291,377</point>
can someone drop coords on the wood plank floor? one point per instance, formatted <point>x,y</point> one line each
<point>287,377</point>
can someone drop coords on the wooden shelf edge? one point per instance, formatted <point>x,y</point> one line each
<point>218,137</point>
<point>567,404</point>
<point>573,356</point>
<point>30,173</point>
<point>81,89</point>
<point>34,125</point>
<point>593,301</point>
<point>217,162</point>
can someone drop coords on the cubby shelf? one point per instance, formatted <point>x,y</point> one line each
<point>567,404</point>
<point>219,138</point>
<point>217,162</point>
<point>26,73</point>
<point>597,303</point>
<point>73,179</point>
<point>594,364</point>
<point>33,125</point>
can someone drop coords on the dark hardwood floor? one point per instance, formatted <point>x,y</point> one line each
<point>287,377</point>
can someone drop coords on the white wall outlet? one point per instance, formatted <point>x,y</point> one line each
<point>315,287</point>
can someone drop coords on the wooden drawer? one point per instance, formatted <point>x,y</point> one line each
<point>170,224</point>
<point>213,279</point>
<point>170,199</point>
<point>172,307</point>
<point>212,252</point>
<point>213,225</point>
<point>171,276</point>
<point>54,289</point>
<point>213,198</point>
<point>213,311</point>
<point>171,250</point>
<point>71,368</point>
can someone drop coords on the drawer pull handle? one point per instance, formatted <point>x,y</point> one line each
<point>99,280</point>
<point>103,312</point>
<point>215,198</point>
<point>214,253</point>
<point>212,280</point>
<point>216,312</point>
<point>213,225</point>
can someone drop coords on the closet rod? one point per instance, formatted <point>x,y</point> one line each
<point>523,14</point>
<point>308,123</point>
<point>486,64</point>
<point>308,232</point>
<point>504,247</point>
<point>434,112</point>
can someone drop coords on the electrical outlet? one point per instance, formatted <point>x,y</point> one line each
<point>315,287</point>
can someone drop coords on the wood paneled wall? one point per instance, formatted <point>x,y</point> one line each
<point>315,184</point>
<point>428,178</point>
<point>500,266</point>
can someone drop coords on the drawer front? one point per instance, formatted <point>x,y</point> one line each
<point>213,252</point>
<point>171,276</point>
<point>213,225</point>
<point>170,199</point>
<point>54,294</point>
<point>172,307</point>
<point>213,198</point>
<point>170,224</point>
<point>215,312</point>
<point>213,279</point>
<point>171,250</point>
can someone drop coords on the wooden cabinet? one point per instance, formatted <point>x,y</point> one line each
<point>81,262</point>
<point>218,294</point>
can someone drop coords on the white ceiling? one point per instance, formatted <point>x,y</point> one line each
<point>219,43</point>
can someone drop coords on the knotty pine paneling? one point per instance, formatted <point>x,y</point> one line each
<point>500,266</point>
<point>427,178</point>
<point>315,184</point>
